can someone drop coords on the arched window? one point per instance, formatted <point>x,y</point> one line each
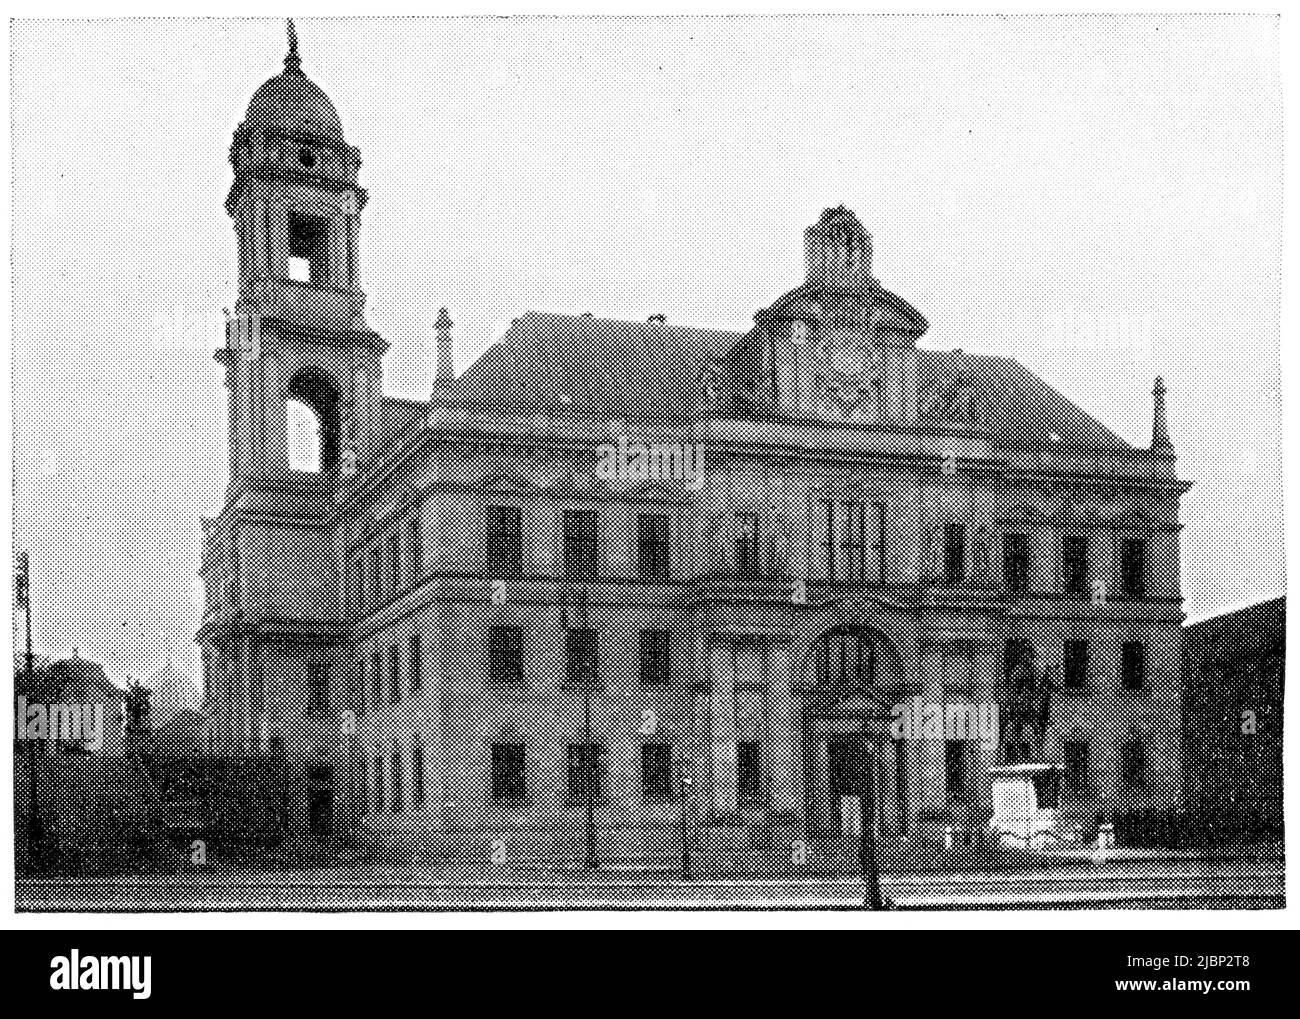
<point>312,410</point>
<point>847,660</point>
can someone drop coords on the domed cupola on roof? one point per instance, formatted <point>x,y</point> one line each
<point>293,104</point>
<point>296,204</point>
<point>840,346</point>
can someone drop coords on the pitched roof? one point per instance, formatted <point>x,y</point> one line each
<point>642,370</point>
<point>602,366</point>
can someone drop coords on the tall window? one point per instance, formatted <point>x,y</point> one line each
<point>844,541</point>
<point>505,556</point>
<point>417,663</point>
<point>417,773</point>
<point>359,584</point>
<point>747,553</point>
<point>395,562</point>
<point>848,660</point>
<point>377,591</point>
<point>415,548</point>
<point>580,657</point>
<point>652,547</point>
<point>308,249</point>
<point>656,771</point>
<point>1134,665</point>
<point>1133,566</point>
<point>1076,767</point>
<point>1015,562</point>
<point>379,783</point>
<point>318,687</point>
<point>585,761</point>
<point>1016,653</point>
<point>1133,764</point>
<point>377,678</point>
<point>508,771</point>
<point>580,562</point>
<point>397,781</point>
<point>878,541</point>
<point>505,655</point>
<point>395,673</point>
<point>1074,564</point>
<point>654,657</point>
<point>957,768</point>
<point>749,777</point>
<point>954,553</point>
<point>1076,664</point>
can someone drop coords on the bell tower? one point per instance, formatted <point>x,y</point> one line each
<point>299,332</point>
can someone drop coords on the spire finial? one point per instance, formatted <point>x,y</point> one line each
<point>292,62</point>
<point>1159,423</point>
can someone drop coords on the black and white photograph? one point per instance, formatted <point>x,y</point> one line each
<point>755,465</point>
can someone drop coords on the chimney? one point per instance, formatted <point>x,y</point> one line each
<point>446,367</point>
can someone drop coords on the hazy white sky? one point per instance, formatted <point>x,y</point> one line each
<point>1097,197</point>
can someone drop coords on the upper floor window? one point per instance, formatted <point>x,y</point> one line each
<point>749,774</point>
<point>1134,667</point>
<point>417,773</point>
<point>580,657</point>
<point>308,249</point>
<point>1076,664</point>
<point>747,552</point>
<point>580,561</point>
<point>417,663</point>
<point>652,547</point>
<point>415,549</point>
<point>1074,564</point>
<point>654,657</point>
<point>1133,565</point>
<point>395,672</point>
<point>1133,764</point>
<point>954,553</point>
<point>508,774</point>
<point>395,562</point>
<point>957,766</point>
<point>318,700</point>
<point>656,771</point>
<point>504,542</point>
<point>847,660</point>
<point>505,655</point>
<point>849,528</point>
<point>1015,562</point>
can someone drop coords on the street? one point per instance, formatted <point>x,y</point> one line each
<point>1181,883</point>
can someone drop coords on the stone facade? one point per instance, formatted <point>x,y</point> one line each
<point>822,517</point>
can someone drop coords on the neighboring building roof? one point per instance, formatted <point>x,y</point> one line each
<point>1248,626</point>
<point>647,370</point>
<point>603,367</point>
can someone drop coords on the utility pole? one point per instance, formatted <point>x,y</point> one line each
<point>35,830</point>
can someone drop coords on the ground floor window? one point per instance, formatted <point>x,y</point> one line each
<point>749,784</point>
<point>398,804</point>
<point>379,783</point>
<point>584,770</point>
<point>957,768</point>
<point>508,771</point>
<point>1076,767</point>
<point>656,771</point>
<point>417,773</point>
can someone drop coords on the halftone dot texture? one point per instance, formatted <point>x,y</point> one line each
<point>630,611</point>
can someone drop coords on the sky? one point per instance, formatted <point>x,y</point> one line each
<point>1098,197</point>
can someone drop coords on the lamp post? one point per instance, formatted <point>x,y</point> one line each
<point>23,598</point>
<point>685,783</point>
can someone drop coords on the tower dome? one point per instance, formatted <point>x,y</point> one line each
<point>292,104</point>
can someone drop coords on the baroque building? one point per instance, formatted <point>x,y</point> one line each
<point>611,555</point>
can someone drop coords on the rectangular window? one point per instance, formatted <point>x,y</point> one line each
<point>379,783</point>
<point>1074,565</point>
<point>377,679</point>
<point>954,553</point>
<point>417,663</point>
<point>417,773</point>
<point>359,584</point>
<point>308,249</point>
<point>505,655</point>
<point>749,775</point>
<point>1016,654</point>
<point>1133,566</point>
<point>747,553</point>
<point>1076,767</point>
<point>585,761</point>
<point>318,687</point>
<point>656,771</point>
<point>1133,765</point>
<point>652,547</point>
<point>1015,562</point>
<point>1134,669</point>
<point>395,561</point>
<point>377,592</point>
<point>845,541</point>
<point>654,657</point>
<point>878,540</point>
<point>957,767</point>
<point>397,782</point>
<point>505,547</point>
<point>508,771</point>
<point>395,673</point>
<point>580,561</point>
<point>415,549</point>
<point>1076,664</point>
<point>580,657</point>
